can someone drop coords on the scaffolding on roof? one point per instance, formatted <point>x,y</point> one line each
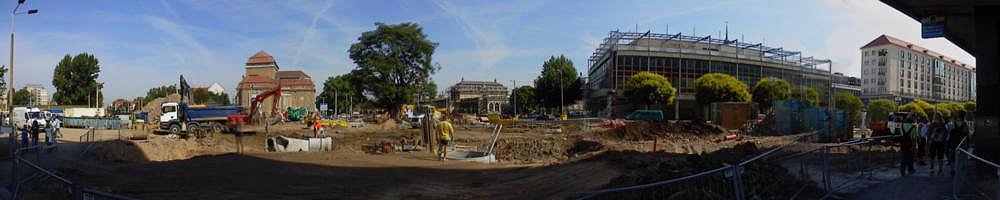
<point>617,37</point>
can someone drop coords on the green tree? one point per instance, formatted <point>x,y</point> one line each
<point>768,90</point>
<point>914,107</point>
<point>339,93</point>
<point>850,104</point>
<point>942,111</point>
<point>206,97</point>
<point>878,110</point>
<point>3,79</point>
<point>525,98</point>
<point>970,106</point>
<point>648,89</point>
<point>716,87</point>
<point>75,79</point>
<point>430,91</point>
<point>158,92</point>
<point>22,97</point>
<point>393,61</point>
<point>812,97</point>
<point>559,81</point>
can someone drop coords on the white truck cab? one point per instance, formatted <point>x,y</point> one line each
<point>168,112</point>
<point>27,116</point>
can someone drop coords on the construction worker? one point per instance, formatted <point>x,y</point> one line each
<point>445,133</point>
<point>908,136</point>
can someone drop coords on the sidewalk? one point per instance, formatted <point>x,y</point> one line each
<point>921,185</point>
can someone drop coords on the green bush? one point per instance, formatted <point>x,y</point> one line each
<point>878,110</point>
<point>716,87</point>
<point>768,90</point>
<point>850,104</point>
<point>647,88</point>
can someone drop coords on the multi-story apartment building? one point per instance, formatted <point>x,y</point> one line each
<point>901,71</point>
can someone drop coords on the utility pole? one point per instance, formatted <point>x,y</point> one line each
<point>10,83</point>
<point>513,96</point>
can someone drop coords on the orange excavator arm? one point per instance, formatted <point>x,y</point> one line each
<point>261,97</point>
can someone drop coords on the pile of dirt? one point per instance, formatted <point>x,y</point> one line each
<point>760,178</point>
<point>545,148</point>
<point>166,149</point>
<point>153,107</point>
<point>664,130</point>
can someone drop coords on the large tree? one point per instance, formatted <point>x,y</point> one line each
<point>878,110</point>
<point>393,62</point>
<point>649,89</point>
<point>560,83</point>
<point>22,97</point>
<point>75,79</point>
<point>768,90</point>
<point>717,87</point>
<point>524,97</point>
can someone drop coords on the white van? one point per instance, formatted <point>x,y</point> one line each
<point>26,116</point>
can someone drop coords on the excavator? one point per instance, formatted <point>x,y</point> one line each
<point>236,121</point>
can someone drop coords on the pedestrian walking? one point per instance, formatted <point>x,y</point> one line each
<point>938,136</point>
<point>960,131</point>
<point>909,135</point>
<point>445,133</point>
<point>921,143</point>
<point>34,133</point>
<point>25,131</point>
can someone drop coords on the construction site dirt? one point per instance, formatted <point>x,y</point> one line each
<point>533,163</point>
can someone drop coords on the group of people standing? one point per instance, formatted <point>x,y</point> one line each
<point>51,128</point>
<point>932,142</point>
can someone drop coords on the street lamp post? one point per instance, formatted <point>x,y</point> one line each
<point>10,82</point>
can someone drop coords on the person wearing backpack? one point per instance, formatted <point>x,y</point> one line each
<point>937,137</point>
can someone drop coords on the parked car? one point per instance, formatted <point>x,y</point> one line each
<point>646,115</point>
<point>546,117</point>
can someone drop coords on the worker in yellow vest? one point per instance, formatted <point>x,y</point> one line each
<point>445,133</point>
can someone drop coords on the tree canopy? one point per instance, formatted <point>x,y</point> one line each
<point>812,96</point>
<point>524,96</point>
<point>649,89</point>
<point>206,97</point>
<point>768,90</point>
<point>158,92</point>
<point>393,62</point>
<point>970,106</point>
<point>340,91</point>
<point>558,75</point>
<point>850,104</point>
<point>878,110</point>
<point>75,80</point>
<point>3,79</point>
<point>717,87</point>
<point>913,107</point>
<point>22,97</point>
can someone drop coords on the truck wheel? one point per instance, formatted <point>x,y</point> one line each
<point>175,129</point>
<point>218,127</point>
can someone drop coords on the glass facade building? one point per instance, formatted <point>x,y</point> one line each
<point>683,59</point>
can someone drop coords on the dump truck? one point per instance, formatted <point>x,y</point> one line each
<point>179,118</point>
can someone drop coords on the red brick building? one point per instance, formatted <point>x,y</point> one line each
<point>262,75</point>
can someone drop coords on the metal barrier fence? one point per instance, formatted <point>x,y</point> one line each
<point>755,178</point>
<point>106,123</point>
<point>41,173</point>
<point>966,165</point>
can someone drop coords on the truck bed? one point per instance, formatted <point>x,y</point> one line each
<point>212,112</point>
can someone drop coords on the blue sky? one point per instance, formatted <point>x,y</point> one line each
<point>144,44</point>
